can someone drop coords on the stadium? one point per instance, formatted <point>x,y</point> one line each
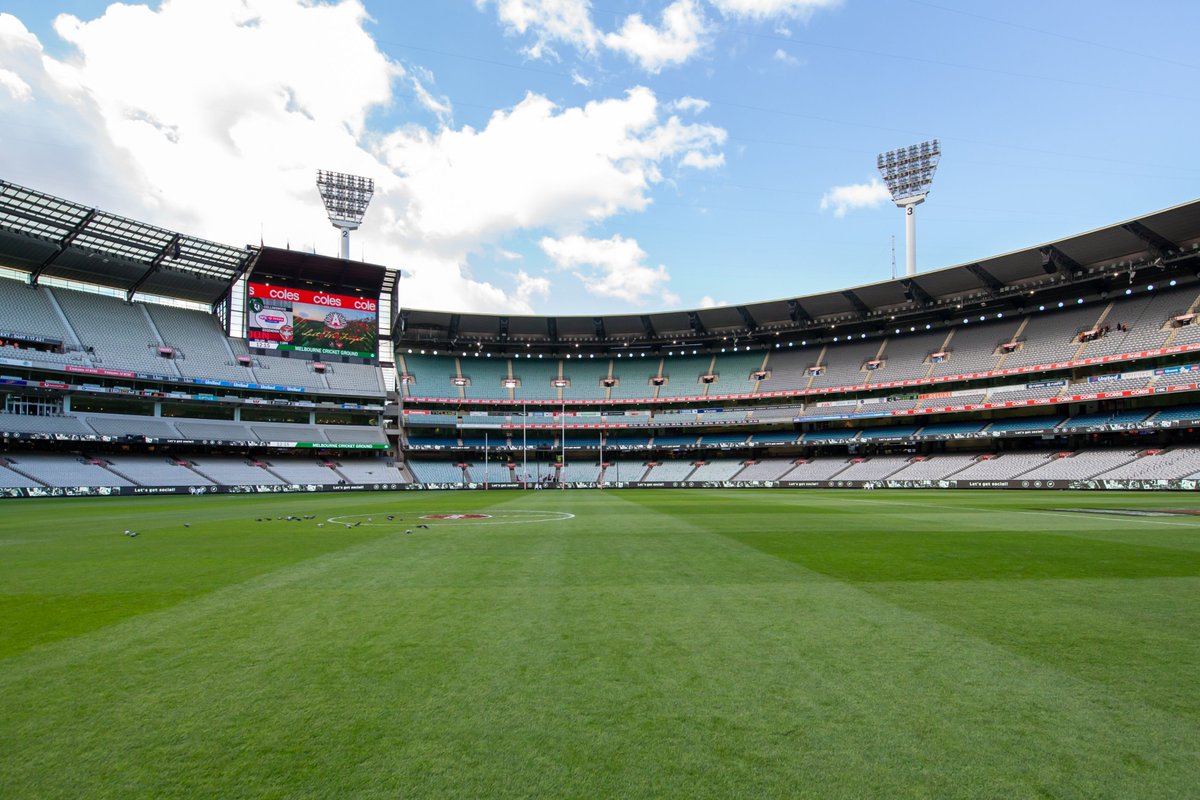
<point>143,361</point>
<point>446,532</point>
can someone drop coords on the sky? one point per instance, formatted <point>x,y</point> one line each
<point>607,156</point>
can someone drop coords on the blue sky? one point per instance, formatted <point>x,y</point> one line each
<point>574,157</point>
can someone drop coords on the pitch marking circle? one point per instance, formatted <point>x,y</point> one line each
<point>457,516</point>
<point>378,519</point>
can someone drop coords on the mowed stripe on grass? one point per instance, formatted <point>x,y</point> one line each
<point>688,643</point>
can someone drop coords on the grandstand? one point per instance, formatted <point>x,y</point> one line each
<point>119,373</point>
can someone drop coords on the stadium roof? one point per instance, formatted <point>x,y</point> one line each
<point>48,236</point>
<point>1163,246</point>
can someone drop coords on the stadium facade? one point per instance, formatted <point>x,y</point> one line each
<point>137,360</point>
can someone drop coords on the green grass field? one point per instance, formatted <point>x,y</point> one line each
<point>689,643</point>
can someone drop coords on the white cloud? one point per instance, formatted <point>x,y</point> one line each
<point>536,165</point>
<point>616,268</point>
<point>568,21</point>
<point>691,104</point>
<point>18,89</point>
<point>580,80</point>
<point>698,160</point>
<point>439,106</point>
<point>767,9</point>
<point>680,37</point>
<point>708,302</point>
<point>549,22</point>
<point>785,57</point>
<point>528,286</point>
<point>855,195</point>
<point>166,144</point>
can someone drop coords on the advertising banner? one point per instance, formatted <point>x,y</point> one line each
<point>282,318</point>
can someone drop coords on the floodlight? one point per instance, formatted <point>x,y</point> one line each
<point>908,173</point>
<point>346,198</point>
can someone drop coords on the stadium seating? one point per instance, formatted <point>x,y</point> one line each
<point>1081,465</point>
<point>1052,335</point>
<point>768,469</point>
<point>716,470</point>
<point>815,470</point>
<point>733,371</point>
<point>535,375</point>
<point>844,364</point>
<point>370,470</point>
<point>874,468</point>
<point>436,471</point>
<point>585,377</point>
<point>232,471</point>
<point>155,471</point>
<point>1005,466</point>
<point>625,471</point>
<point>937,467</point>
<point>432,375</point>
<point>57,423</point>
<point>121,335</point>
<point>52,469</point>
<point>1174,463</point>
<point>668,471</point>
<point>202,348</point>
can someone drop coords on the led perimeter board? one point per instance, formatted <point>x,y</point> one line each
<point>324,323</point>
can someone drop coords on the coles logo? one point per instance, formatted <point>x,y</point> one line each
<point>457,516</point>
<point>342,302</point>
<point>282,294</point>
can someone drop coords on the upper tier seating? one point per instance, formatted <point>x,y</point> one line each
<point>431,374</point>
<point>733,371</point>
<point>633,378</point>
<point>1052,335</point>
<point>683,375</point>
<point>585,377</point>
<point>535,376</point>
<point>202,348</point>
<point>485,375</point>
<point>787,368</point>
<point>906,356</point>
<point>844,364</point>
<point>363,379</point>
<point>120,334</point>
<point>1145,315</point>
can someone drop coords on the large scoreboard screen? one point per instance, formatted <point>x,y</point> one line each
<point>282,318</point>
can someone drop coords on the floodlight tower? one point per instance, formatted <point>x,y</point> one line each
<point>346,198</point>
<point>908,172</point>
